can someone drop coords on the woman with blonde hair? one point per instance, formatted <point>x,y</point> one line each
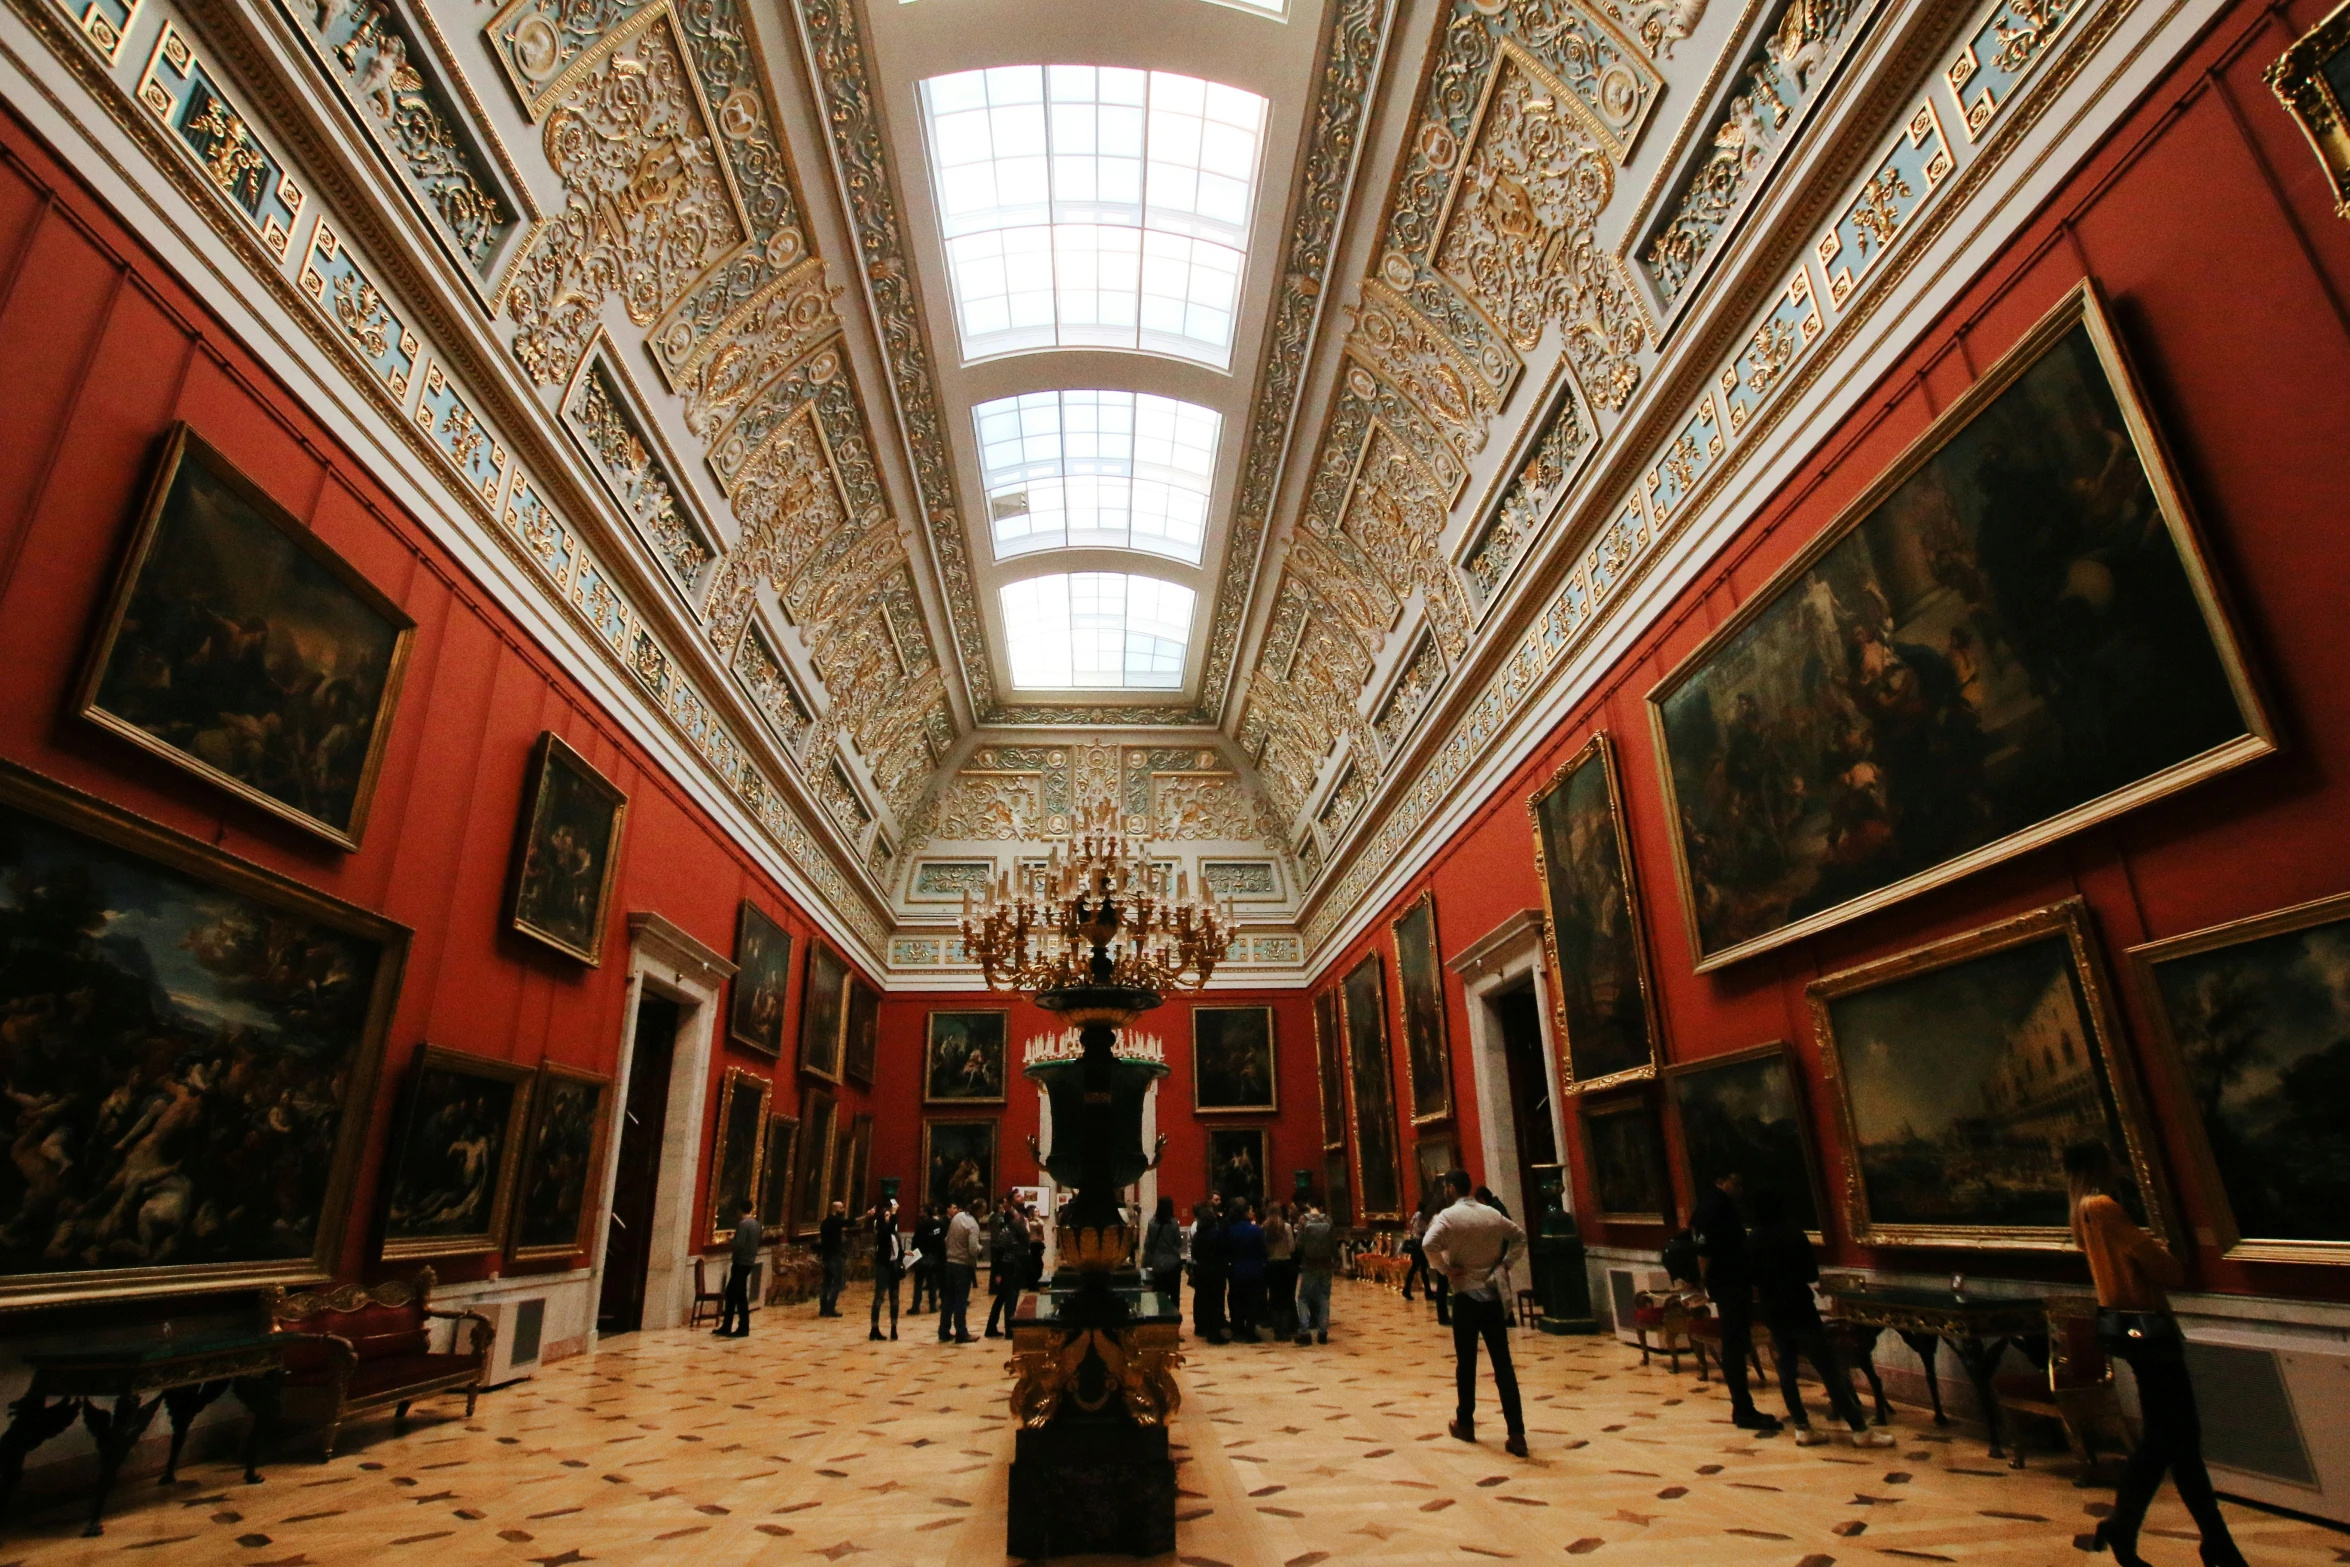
<point>2132,1271</point>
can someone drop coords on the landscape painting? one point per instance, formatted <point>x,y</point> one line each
<point>2013,633</point>
<point>958,1163</point>
<point>240,647</point>
<point>453,1159</point>
<point>964,1061</point>
<point>762,976</point>
<point>1372,1072</point>
<point>562,1155</point>
<point>1419,973</point>
<point>775,1179</point>
<point>1236,1164</point>
<point>734,1162</point>
<point>189,1047</point>
<point>1964,1069</point>
<point>1591,931</point>
<point>1740,1113</point>
<point>1232,1059</point>
<point>2256,1020</point>
<point>1330,1064</point>
<point>823,1001</point>
<point>817,1111</point>
<point>861,1033</point>
<point>571,822</point>
<point>1627,1152</point>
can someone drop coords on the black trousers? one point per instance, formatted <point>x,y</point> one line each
<point>1248,1307</point>
<point>953,1312</point>
<point>2171,1442</point>
<point>836,1278</point>
<point>1281,1295</point>
<point>925,1283</point>
<point>1474,1319</point>
<point>1207,1302</point>
<point>1735,1308</point>
<point>1167,1284</point>
<point>734,1306</point>
<point>1004,1285</point>
<point>885,1283</point>
<point>1418,1270</point>
<point>1791,1339</point>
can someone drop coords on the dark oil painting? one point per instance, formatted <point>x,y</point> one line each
<point>1338,1195</point>
<point>1627,1160</point>
<point>1330,1064</point>
<point>1419,972</point>
<point>817,1116</point>
<point>240,647</point>
<point>762,962</point>
<point>861,1033</point>
<point>188,1056</point>
<point>1372,1071</point>
<point>742,1121</point>
<point>964,1060</point>
<point>1232,1059</point>
<point>453,1156</point>
<point>2017,636</point>
<point>958,1162</point>
<point>1236,1164</point>
<point>1741,1115</point>
<point>1433,1158</point>
<point>561,1157</point>
<point>823,999</point>
<point>775,1181</point>
<point>570,848</point>
<point>1599,964</point>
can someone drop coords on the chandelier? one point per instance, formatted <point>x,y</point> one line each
<point>1096,912</point>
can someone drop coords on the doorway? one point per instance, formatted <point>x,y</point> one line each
<point>628,1248</point>
<point>1515,1012</point>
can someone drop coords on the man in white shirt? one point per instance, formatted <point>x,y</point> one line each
<point>1474,1247</point>
<point>962,1266</point>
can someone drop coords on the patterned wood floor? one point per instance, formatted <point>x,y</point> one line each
<point>805,1441</point>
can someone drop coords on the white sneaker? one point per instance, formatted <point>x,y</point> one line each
<point>1806,1436</point>
<point>1873,1437</point>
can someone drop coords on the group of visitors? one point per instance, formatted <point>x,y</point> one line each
<point>942,1255</point>
<point>1250,1269</point>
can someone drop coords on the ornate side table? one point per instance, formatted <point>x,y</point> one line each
<point>1978,1328</point>
<point>179,1375</point>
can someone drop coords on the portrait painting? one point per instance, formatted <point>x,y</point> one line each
<point>1236,1164</point>
<point>964,1060</point>
<point>562,1156</point>
<point>762,976</point>
<point>1964,1069</point>
<point>1627,1157</point>
<point>1419,977</point>
<point>1434,1158</point>
<point>1378,1159</point>
<point>1232,1060</point>
<point>958,1163</point>
<point>775,1175</point>
<point>571,822</point>
<point>861,1033</point>
<point>1742,1114</point>
<point>2011,634</point>
<point>449,1179</point>
<point>1591,929</point>
<point>2254,1019</point>
<point>739,1142</point>
<point>1330,1066</point>
<point>238,646</point>
<point>189,1049</point>
<point>817,1112</point>
<point>823,1009</point>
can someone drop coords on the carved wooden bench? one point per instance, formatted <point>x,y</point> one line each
<point>369,1346</point>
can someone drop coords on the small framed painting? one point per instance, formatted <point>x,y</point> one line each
<point>783,1132</point>
<point>817,1115</point>
<point>861,1033</point>
<point>762,959</point>
<point>1419,975</point>
<point>964,1061</point>
<point>1236,1164</point>
<point>823,1010</point>
<point>451,1178</point>
<point>1434,1158</point>
<point>571,823</point>
<point>734,1160</point>
<point>958,1163</point>
<point>1232,1065</point>
<point>562,1157</point>
<point>1627,1157</point>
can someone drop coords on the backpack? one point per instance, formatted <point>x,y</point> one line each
<point>1680,1258</point>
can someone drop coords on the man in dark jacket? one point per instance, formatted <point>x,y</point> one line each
<point>832,1248</point>
<point>930,1234</point>
<point>1210,1259</point>
<point>734,1310</point>
<point>1007,1265</point>
<point>1719,1230</point>
<point>1784,1272</point>
<point>1244,1244</point>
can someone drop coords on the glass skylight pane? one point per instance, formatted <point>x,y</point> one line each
<point>1096,630</point>
<point>1094,206</point>
<point>1108,470</point>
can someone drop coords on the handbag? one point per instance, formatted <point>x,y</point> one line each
<point>2120,1332</point>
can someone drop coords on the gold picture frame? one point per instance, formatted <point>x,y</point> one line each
<point>1330,1070</point>
<point>1370,1076</point>
<point>758,995</point>
<point>432,1092</point>
<point>1419,1000</point>
<point>781,1165</point>
<point>975,1141</point>
<point>2312,80</point>
<point>1604,1117</point>
<point>552,1095</point>
<point>982,1038</point>
<point>819,1123</point>
<point>1232,1093</point>
<point>562,783</point>
<point>824,1012</point>
<point>2042,971</point>
<point>1685,1081</point>
<point>742,1107</point>
<point>860,1161</point>
<point>1596,759</point>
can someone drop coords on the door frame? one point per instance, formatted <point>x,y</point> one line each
<point>1502,959</point>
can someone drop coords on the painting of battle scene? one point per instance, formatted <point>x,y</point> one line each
<point>561,1156</point>
<point>2012,633</point>
<point>452,1163</point>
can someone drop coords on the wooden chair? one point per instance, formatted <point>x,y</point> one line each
<point>704,1296</point>
<point>2075,1390</point>
<point>1529,1307</point>
<point>368,1346</point>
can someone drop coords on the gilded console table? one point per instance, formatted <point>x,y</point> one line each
<point>179,1375</point>
<point>1977,1328</point>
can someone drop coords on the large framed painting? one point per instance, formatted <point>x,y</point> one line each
<point>562,1158</point>
<point>1371,1071</point>
<point>861,1033</point>
<point>818,1113</point>
<point>1232,1067</point>
<point>1337,1189</point>
<point>1236,1164</point>
<point>964,1058</point>
<point>2253,1020</point>
<point>775,1177</point>
<point>449,1181</point>
<point>1330,1067</point>
<point>1591,931</point>
<point>1962,1070</point>
<point>860,1163</point>
<point>181,1031</point>
<point>1626,1150</point>
<point>823,1009</point>
<point>1419,978</point>
<point>740,1141</point>
<point>2011,634</point>
<point>1742,1114</point>
<point>238,646</point>
<point>572,818</point>
<point>2312,80</point>
<point>762,976</point>
<point>1434,1158</point>
<point>958,1163</point>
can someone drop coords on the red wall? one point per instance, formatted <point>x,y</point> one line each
<point>105,351</point>
<point>2208,225</point>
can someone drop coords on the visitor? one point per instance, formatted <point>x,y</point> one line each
<point>1208,1259</point>
<point>1162,1257</point>
<point>2133,1272</point>
<point>889,1249</point>
<point>734,1307</point>
<point>1485,1196</point>
<point>930,1228</point>
<point>1784,1272</point>
<point>1244,1241</point>
<point>1719,1233</point>
<point>832,1246</point>
<point>1476,1246</point>
<point>1007,1265</point>
<point>1414,1228</point>
<point>961,1257</point>
<point>1036,1246</point>
<point>1281,1269</point>
<point>1317,1259</point>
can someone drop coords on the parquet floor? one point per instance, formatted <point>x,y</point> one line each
<point>806,1442</point>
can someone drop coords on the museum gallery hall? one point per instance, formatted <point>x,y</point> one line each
<point>1236,783</point>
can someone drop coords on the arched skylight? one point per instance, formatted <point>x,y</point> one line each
<point>1116,470</point>
<point>1093,206</point>
<point>1096,630</point>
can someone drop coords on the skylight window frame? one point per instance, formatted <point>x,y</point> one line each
<point>1059,634</point>
<point>1143,457</point>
